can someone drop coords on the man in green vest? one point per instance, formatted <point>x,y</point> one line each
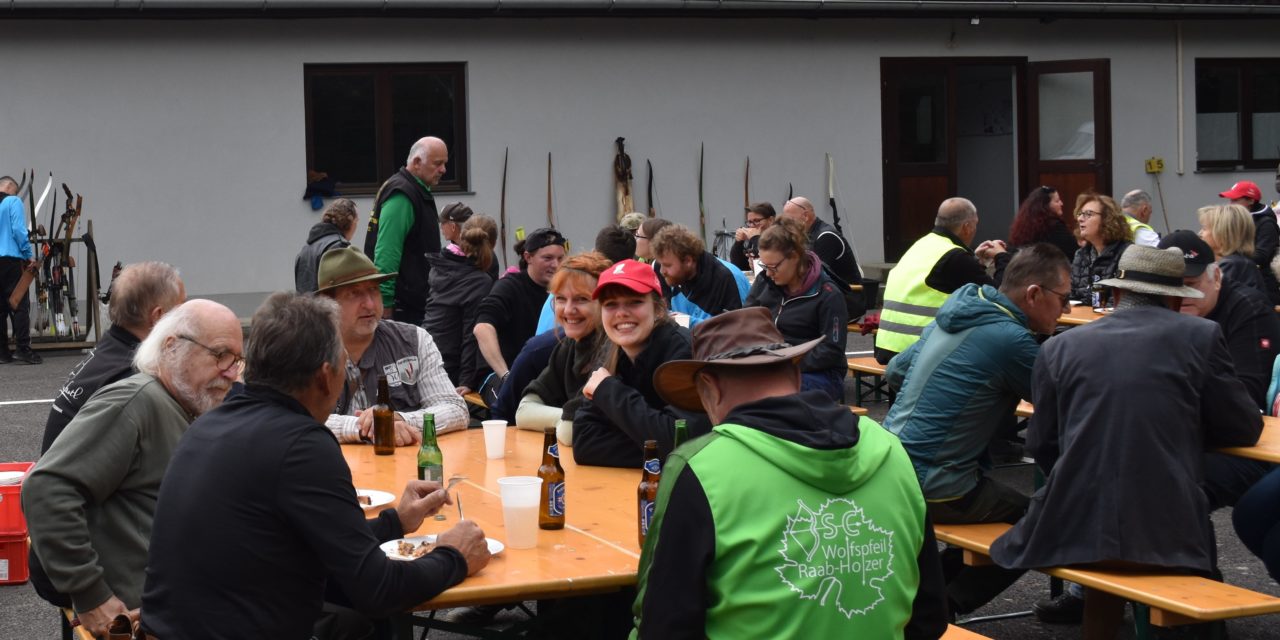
<point>792,518</point>
<point>1137,212</point>
<point>934,267</point>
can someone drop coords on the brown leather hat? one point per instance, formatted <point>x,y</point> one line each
<point>340,267</point>
<point>740,338</point>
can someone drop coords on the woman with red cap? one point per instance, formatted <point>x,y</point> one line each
<point>623,409</point>
<point>1266,237</point>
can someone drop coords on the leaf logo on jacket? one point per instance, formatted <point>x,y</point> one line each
<point>836,555</point>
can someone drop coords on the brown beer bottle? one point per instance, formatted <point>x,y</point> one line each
<point>647,492</point>
<point>551,511</point>
<point>384,422</point>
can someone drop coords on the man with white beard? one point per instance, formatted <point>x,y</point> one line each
<point>90,500</point>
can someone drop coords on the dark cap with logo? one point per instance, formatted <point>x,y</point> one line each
<point>1196,254</point>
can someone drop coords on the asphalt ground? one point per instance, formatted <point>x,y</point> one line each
<point>24,615</point>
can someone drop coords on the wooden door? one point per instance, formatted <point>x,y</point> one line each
<point>1068,131</point>
<point>918,147</point>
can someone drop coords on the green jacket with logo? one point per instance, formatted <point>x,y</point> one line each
<point>806,524</point>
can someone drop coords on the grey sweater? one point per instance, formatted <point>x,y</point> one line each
<point>90,500</point>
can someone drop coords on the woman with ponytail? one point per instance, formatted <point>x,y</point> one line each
<point>460,278</point>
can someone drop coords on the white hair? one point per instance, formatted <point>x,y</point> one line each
<point>181,320</point>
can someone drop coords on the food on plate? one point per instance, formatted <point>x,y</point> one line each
<point>411,550</point>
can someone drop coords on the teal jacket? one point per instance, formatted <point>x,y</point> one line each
<point>790,520</point>
<point>958,385</point>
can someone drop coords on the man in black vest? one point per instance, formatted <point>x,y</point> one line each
<point>404,353</point>
<point>405,227</point>
<point>825,241</point>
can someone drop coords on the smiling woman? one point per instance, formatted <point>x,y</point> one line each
<point>622,408</point>
<point>555,395</point>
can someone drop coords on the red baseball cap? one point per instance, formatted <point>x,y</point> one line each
<point>632,274</point>
<point>1243,189</point>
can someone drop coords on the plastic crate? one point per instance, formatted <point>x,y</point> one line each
<point>12,522</point>
<point>13,559</point>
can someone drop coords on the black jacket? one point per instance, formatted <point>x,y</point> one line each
<point>1132,493</point>
<point>834,250</point>
<point>959,267</point>
<point>457,287</point>
<point>1059,236</point>
<point>571,363</point>
<point>743,252</point>
<point>256,513</point>
<point>412,286</point>
<point>1243,272</point>
<point>713,289</point>
<point>610,429</point>
<point>808,419</point>
<point>1089,267</point>
<point>819,311</point>
<point>111,361</point>
<point>322,237</point>
<point>1266,242</point>
<point>1252,330</point>
<point>512,307</point>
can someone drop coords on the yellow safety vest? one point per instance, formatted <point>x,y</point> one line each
<point>1135,224</point>
<point>909,303</point>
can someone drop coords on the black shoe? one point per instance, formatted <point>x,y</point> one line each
<point>28,356</point>
<point>1064,609</point>
<point>5,356</point>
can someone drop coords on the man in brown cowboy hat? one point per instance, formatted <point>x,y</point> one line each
<point>792,518</point>
<point>405,354</point>
<point>1125,405</point>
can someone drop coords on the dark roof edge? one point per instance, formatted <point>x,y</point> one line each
<point>810,9</point>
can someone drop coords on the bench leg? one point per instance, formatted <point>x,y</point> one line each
<point>1103,615</point>
<point>66,626</point>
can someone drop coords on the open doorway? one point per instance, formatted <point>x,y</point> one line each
<point>987,145</point>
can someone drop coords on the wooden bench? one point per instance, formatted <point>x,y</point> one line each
<point>868,375</point>
<point>1172,599</point>
<point>475,399</point>
<point>960,633</point>
<point>70,632</point>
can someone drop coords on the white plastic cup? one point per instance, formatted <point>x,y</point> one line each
<point>681,319</point>
<point>495,439</point>
<point>520,510</point>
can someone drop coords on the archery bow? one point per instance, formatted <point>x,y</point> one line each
<point>551,217</point>
<point>831,193</point>
<point>791,192</point>
<point>649,190</point>
<point>746,186</point>
<point>502,207</point>
<point>702,208</point>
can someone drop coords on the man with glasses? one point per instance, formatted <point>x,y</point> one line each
<point>958,387</point>
<point>825,241</point>
<point>934,267</point>
<point>404,353</point>
<point>746,239</point>
<point>90,500</point>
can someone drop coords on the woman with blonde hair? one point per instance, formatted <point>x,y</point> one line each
<point>555,395</point>
<point>460,278</point>
<point>1228,229</point>
<point>804,303</point>
<point>1102,227</point>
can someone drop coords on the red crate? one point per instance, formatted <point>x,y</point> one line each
<point>12,522</point>
<point>13,559</point>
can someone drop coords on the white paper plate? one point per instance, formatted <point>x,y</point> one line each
<point>392,547</point>
<point>377,498</point>
<point>11,477</point>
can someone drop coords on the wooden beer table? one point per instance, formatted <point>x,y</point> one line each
<point>1080,314</point>
<point>596,552</point>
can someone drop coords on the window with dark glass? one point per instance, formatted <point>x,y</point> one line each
<point>362,119</point>
<point>1237,113</point>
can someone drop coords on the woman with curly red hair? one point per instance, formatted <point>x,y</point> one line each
<point>1040,219</point>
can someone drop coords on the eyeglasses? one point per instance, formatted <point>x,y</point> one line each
<point>225,360</point>
<point>1065,298</point>
<point>755,222</point>
<point>773,268</point>
<point>1085,214</point>
<point>639,237</point>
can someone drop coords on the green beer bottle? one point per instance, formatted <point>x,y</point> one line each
<point>430,458</point>
<point>682,433</point>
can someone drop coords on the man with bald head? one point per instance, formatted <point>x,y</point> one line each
<point>934,267</point>
<point>825,241</point>
<point>91,498</point>
<point>405,227</point>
